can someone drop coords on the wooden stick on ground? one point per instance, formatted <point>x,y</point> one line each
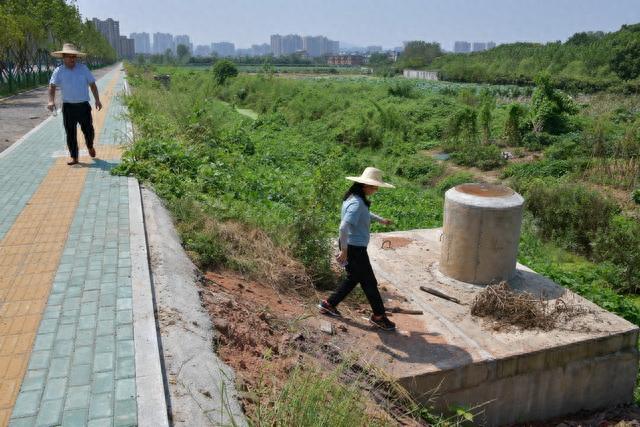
<point>440,294</point>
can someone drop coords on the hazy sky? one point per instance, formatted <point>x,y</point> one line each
<point>367,22</point>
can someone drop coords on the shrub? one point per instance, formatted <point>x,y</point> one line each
<point>463,125</point>
<point>223,70</point>
<point>542,168</point>
<point>569,213</point>
<point>453,180</point>
<point>635,196</point>
<point>512,133</point>
<point>485,157</point>
<point>402,89</point>
<point>620,244</point>
<point>419,168</point>
<point>550,107</point>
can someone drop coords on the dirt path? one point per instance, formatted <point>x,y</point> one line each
<point>21,113</point>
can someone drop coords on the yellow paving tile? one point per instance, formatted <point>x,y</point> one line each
<point>29,256</point>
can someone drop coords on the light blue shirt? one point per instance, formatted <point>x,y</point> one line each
<point>73,82</point>
<point>356,213</point>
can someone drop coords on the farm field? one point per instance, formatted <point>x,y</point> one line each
<point>259,196</point>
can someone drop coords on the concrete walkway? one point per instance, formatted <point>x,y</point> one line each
<point>78,342</point>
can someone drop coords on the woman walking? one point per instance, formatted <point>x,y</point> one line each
<point>354,238</point>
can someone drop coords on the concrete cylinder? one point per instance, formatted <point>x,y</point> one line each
<point>481,233</point>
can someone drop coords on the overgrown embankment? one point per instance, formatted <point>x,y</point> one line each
<point>262,196</point>
<point>275,183</point>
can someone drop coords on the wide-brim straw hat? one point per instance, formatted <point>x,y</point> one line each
<point>69,49</point>
<point>371,176</point>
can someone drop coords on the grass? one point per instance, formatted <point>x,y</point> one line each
<point>261,194</point>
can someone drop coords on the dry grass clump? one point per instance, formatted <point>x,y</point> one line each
<point>521,309</point>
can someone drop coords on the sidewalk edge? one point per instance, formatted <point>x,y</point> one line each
<point>151,400</point>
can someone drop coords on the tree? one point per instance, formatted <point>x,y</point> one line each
<point>222,70</point>
<point>550,107</point>
<point>487,105</point>
<point>512,133</point>
<point>626,60</point>
<point>182,51</point>
<point>420,53</point>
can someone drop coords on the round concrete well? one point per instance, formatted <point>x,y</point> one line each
<point>481,233</point>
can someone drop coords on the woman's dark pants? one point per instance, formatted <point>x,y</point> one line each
<point>72,114</point>
<point>359,271</point>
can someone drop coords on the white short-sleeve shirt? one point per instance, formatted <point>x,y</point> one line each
<point>73,82</point>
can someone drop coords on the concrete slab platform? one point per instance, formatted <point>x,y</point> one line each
<point>449,357</point>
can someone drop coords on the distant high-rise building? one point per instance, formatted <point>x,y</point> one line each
<point>184,40</point>
<point>291,43</point>
<point>334,47</point>
<point>314,46</point>
<point>127,47</point>
<point>260,49</point>
<point>479,46</point>
<point>462,47</point>
<point>374,49</point>
<point>202,50</point>
<point>491,45</point>
<point>276,44</point>
<point>223,49</point>
<point>162,42</point>
<point>141,42</point>
<point>110,29</point>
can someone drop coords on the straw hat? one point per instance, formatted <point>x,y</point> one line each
<point>371,176</point>
<point>69,49</point>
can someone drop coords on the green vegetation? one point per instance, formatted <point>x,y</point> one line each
<point>280,176</point>
<point>586,62</point>
<point>31,29</point>
<point>309,398</point>
<point>222,70</point>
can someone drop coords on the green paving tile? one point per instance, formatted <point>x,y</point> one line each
<point>34,380</point>
<point>78,397</point>
<point>80,375</point>
<point>59,367</point>
<point>103,362</point>
<point>56,388</point>
<point>82,355</point>
<point>27,404</point>
<point>125,413</point>
<point>126,389</point>
<point>101,406</point>
<point>102,422</point>
<point>103,382</point>
<point>23,422</point>
<point>74,418</point>
<point>50,413</point>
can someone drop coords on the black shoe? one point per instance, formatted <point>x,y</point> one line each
<point>383,323</point>
<point>328,309</point>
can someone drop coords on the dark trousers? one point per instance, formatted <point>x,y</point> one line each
<point>72,115</point>
<point>359,271</point>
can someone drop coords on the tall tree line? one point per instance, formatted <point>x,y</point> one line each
<point>31,29</point>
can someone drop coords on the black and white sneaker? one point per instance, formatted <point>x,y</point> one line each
<point>328,309</point>
<point>383,323</point>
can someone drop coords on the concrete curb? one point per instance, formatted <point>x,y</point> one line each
<point>201,387</point>
<point>152,406</point>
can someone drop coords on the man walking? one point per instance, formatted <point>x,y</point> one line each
<point>74,80</point>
